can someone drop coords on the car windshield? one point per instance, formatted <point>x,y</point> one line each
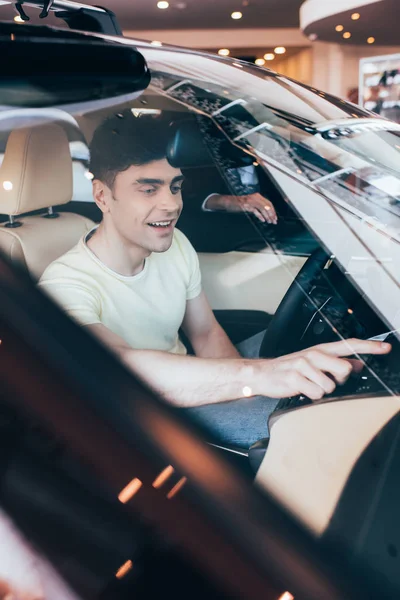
<point>347,162</point>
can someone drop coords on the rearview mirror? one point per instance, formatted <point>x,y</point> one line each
<point>47,71</point>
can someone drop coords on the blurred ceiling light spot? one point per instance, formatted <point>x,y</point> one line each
<point>280,50</point>
<point>224,52</point>
<point>236,15</point>
<point>8,186</point>
<point>156,43</point>
<point>255,163</point>
<point>355,16</point>
<point>339,27</point>
<point>124,569</point>
<point>163,476</point>
<point>350,311</point>
<point>286,596</point>
<point>371,40</point>
<point>247,391</point>
<point>130,490</point>
<point>312,37</point>
<point>162,5</point>
<point>89,175</point>
<point>347,35</point>
<point>18,19</point>
<point>259,62</point>
<point>176,488</point>
<point>269,56</point>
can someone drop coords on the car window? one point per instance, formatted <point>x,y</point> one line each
<point>82,182</point>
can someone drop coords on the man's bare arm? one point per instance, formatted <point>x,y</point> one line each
<point>189,381</point>
<point>182,380</point>
<point>206,335</point>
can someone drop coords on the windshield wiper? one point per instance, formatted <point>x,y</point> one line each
<point>301,122</point>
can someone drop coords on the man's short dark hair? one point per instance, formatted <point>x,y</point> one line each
<point>124,140</point>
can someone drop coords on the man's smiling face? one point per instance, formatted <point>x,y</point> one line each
<point>145,203</point>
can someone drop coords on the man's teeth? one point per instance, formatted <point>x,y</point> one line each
<point>161,223</point>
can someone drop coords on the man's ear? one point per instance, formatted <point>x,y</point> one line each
<point>101,195</point>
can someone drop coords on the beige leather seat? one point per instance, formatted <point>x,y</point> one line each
<point>36,173</point>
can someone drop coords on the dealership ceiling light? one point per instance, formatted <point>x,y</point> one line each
<point>224,52</point>
<point>259,62</point>
<point>347,35</point>
<point>368,19</point>
<point>269,56</point>
<point>162,5</point>
<point>236,15</point>
<point>371,40</point>
<point>280,50</point>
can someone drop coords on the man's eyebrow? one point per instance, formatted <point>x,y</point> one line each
<point>178,178</point>
<point>149,181</point>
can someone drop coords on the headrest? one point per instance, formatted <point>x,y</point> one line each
<point>36,171</point>
<point>189,147</point>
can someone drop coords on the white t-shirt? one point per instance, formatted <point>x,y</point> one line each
<point>146,310</point>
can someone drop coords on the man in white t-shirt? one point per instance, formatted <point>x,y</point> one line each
<point>135,280</point>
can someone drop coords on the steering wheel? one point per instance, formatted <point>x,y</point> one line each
<point>286,318</point>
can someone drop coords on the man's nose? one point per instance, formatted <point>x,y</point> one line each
<point>170,201</point>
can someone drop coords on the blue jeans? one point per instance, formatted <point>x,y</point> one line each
<point>238,422</point>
